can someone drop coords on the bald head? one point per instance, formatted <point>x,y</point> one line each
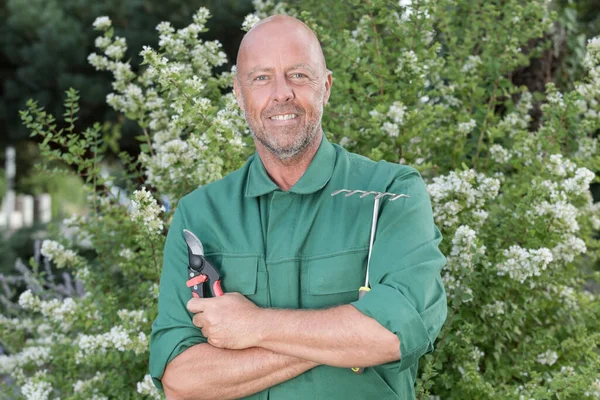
<point>277,31</point>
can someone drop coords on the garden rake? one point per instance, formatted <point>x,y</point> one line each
<point>377,196</point>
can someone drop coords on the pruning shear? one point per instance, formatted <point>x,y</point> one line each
<point>200,270</point>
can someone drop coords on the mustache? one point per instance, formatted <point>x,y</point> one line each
<point>285,109</point>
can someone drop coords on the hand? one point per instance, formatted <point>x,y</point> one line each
<point>230,321</point>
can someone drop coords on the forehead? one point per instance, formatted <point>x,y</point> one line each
<point>276,45</point>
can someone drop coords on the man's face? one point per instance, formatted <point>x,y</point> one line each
<point>282,86</point>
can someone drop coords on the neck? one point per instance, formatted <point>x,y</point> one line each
<point>285,173</point>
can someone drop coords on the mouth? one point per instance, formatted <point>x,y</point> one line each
<point>283,117</point>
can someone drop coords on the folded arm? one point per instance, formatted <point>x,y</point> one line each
<point>206,372</point>
<point>340,336</point>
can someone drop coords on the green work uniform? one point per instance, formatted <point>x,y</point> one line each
<point>304,249</point>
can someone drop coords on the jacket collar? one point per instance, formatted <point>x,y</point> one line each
<point>314,178</point>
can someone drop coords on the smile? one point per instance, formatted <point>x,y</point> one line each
<point>283,117</point>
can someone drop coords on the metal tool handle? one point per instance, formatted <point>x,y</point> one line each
<point>361,293</point>
<point>364,289</point>
<point>377,197</point>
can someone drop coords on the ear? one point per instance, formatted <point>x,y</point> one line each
<point>238,93</point>
<point>328,83</point>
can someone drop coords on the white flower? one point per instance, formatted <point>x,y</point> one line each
<point>547,358</point>
<point>460,261</point>
<point>133,317</point>
<point>102,42</point>
<point>249,22</point>
<point>408,64</point>
<point>165,28</point>
<point>391,129</point>
<point>467,127</point>
<point>521,264</point>
<point>147,388</point>
<point>472,63</point>
<point>586,148</point>
<point>495,309</point>
<point>36,389</point>
<point>56,252</point>
<point>154,290</point>
<point>140,344</point>
<point>87,385</point>
<point>407,8</point>
<point>567,370</point>
<point>146,211</point>
<point>480,216</point>
<point>102,23</point>
<point>119,338</point>
<point>580,183</point>
<point>570,247</point>
<point>82,274</point>
<point>196,84</point>
<point>126,254</point>
<point>201,16</point>
<point>100,63</point>
<point>593,45</point>
<point>44,329</point>
<point>28,301</point>
<point>56,310</point>
<point>396,112</point>
<point>476,354</point>
<point>499,154</point>
<point>29,356</point>
<point>556,98</point>
<point>563,214</point>
<point>117,49</point>
<point>560,166</point>
<point>361,34</point>
<point>465,191</point>
<point>596,388</point>
<point>566,294</point>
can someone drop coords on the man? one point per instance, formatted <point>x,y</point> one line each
<point>292,257</point>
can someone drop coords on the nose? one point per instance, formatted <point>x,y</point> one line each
<point>282,92</point>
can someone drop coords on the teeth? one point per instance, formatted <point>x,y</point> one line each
<point>283,117</point>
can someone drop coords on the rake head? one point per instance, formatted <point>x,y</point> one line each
<point>376,195</point>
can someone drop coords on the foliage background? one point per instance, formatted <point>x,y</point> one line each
<point>496,105</point>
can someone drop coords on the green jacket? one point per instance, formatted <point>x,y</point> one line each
<point>304,249</point>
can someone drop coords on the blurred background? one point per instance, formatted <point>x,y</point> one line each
<point>44,46</point>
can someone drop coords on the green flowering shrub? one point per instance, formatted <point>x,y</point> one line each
<point>418,82</point>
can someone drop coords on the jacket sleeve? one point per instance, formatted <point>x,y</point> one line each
<point>407,295</point>
<point>173,330</point>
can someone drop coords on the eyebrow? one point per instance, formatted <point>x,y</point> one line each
<point>295,66</point>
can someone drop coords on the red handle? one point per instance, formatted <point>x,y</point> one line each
<point>217,288</point>
<point>197,280</point>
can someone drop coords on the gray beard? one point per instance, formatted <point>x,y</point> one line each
<point>297,147</point>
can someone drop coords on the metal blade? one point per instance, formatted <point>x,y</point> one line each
<point>194,244</point>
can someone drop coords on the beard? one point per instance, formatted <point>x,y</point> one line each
<point>301,136</point>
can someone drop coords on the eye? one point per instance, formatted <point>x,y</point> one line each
<point>261,78</point>
<point>298,75</point>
